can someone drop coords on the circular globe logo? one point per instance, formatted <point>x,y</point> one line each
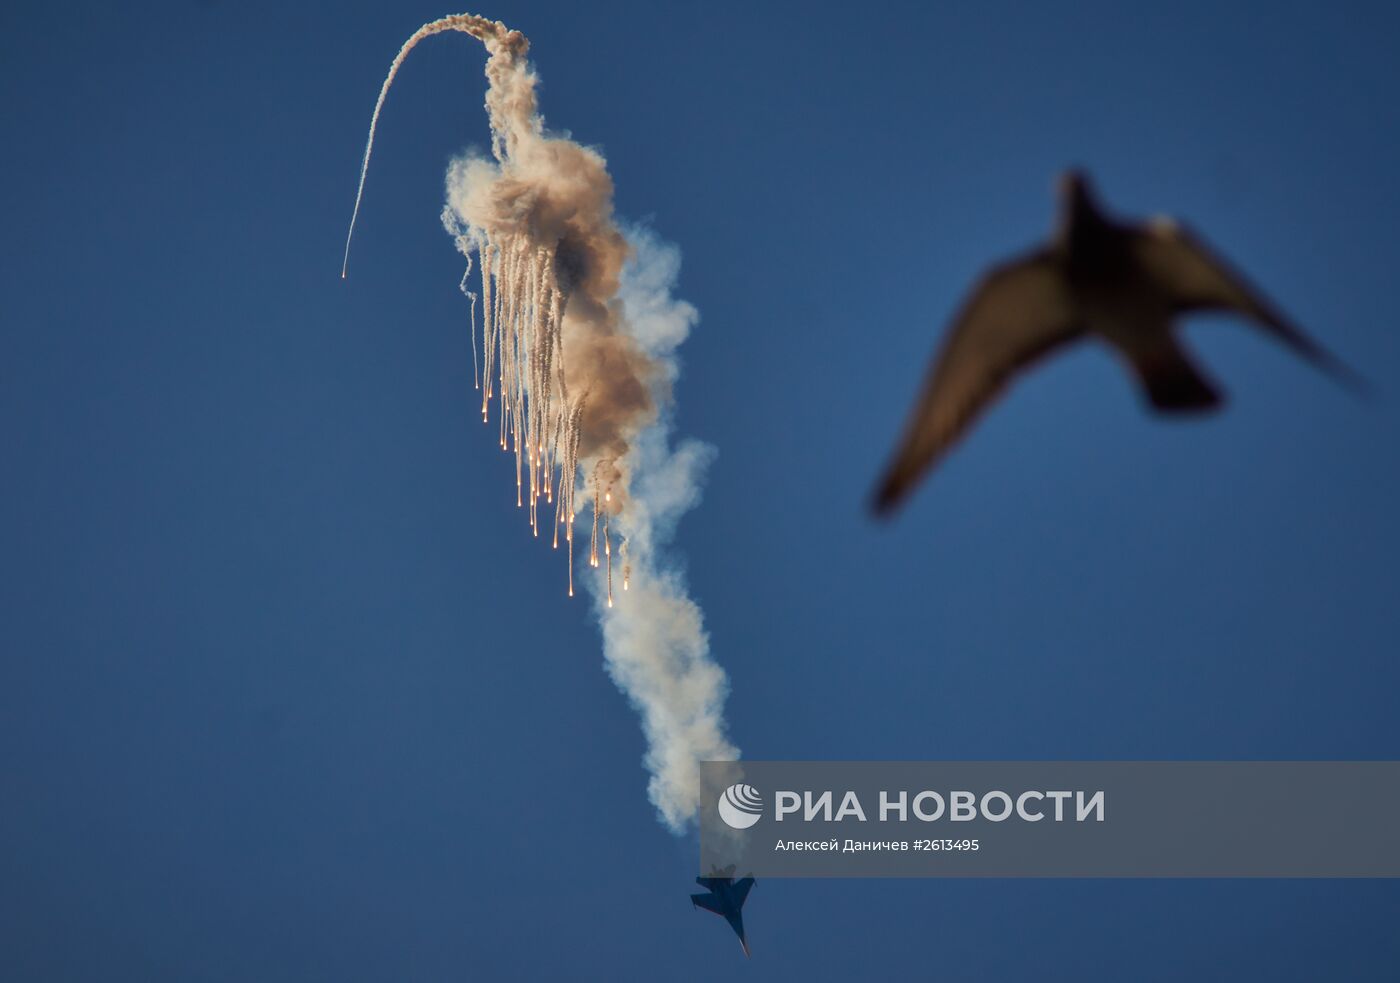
<point>740,806</point>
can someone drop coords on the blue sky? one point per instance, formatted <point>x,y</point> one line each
<point>267,707</point>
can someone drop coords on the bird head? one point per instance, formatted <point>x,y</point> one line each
<point>1078,203</point>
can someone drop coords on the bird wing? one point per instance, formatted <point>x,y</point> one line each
<point>1017,313</point>
<point>1195,278</point>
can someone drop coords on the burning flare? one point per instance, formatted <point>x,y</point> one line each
<point>577,344</point>
<point>537,223</point>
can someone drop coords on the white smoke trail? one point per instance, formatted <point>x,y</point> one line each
<point>580,331</point>
<point>655,644</point>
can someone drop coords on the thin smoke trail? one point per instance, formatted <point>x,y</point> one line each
<point>578,342</point>
<point>489,32</point>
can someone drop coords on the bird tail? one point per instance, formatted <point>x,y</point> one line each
<point>1172,382</point>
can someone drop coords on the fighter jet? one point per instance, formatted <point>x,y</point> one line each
<point>1120,282</point>
<point>726,897</point>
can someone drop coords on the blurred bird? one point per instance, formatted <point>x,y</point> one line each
<point>1123,283</point>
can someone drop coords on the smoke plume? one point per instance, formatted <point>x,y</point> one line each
<point>578,351</point>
